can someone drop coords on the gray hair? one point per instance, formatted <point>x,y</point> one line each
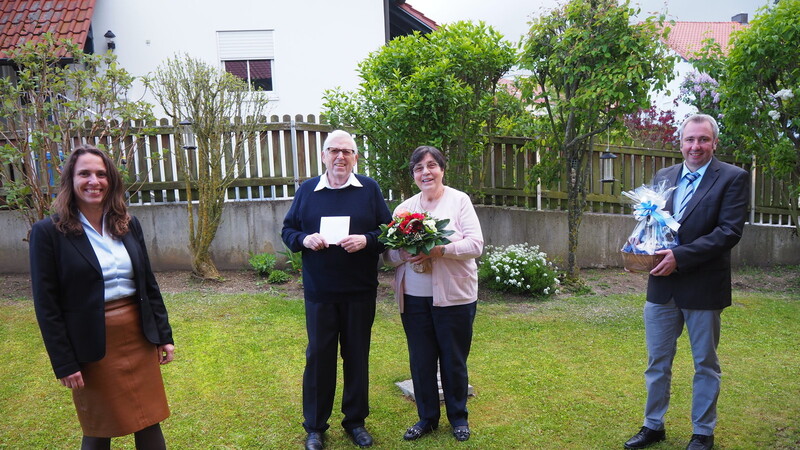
<point>336,135</point>
<point>700,118</point>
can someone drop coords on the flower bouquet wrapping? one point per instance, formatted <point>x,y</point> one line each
<point>655,230</point>
<point>415,233</point>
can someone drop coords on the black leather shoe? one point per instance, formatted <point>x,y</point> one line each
<point>701,442</point>
<point>360,437</point>
<point>314,441</point>
<point>461,433</point>
<point>645,438</point>
<point>418,430</point>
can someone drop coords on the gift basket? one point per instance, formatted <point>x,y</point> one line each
<point>655,228</point>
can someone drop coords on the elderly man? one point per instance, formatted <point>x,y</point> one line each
<point>692,284</point>
<point>334,220</point>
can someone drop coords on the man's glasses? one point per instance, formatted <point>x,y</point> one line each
<point>340,151</point>
<point>431,166</point>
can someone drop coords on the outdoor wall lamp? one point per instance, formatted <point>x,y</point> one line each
<point>607,166</point>
<point>110,40</point>
<point>188,135</point>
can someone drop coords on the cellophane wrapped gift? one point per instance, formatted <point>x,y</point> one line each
<point>655,228</point>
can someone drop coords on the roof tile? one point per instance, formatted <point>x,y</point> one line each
<point>686,38</point>
<point>26,20</point>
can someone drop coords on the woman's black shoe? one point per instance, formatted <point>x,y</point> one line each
<point>418,430</point>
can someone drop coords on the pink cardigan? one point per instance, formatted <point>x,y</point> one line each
<point>454,276</point>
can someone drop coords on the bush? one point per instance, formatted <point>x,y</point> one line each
<point>519,268</point>
<point>262,263</point>
<point>278,277</point>
<point>294,260</point>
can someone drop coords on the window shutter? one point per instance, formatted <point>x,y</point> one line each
<point>243,45</point>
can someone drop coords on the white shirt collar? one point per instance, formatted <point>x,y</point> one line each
<point>323,182</point>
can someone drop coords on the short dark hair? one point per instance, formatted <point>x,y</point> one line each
<point>420,152</point>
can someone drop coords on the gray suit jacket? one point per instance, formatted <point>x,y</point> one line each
<point>711,225</point>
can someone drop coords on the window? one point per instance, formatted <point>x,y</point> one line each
<point>257,72</point>
<point>249,55</point>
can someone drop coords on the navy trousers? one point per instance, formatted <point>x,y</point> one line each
<point>439,335</point>
<point>329,325</point>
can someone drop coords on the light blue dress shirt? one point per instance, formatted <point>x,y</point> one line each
<point>114,261</point>
<point>683,185</point>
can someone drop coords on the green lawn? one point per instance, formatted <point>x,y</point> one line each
<point>563,373</point>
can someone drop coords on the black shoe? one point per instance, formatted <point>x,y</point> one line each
<point>701,442</point>
<point>418,430</point>
<point>645,438</point>
<point>314,441</point>
<point>461,433</point>
<point>360,436</point>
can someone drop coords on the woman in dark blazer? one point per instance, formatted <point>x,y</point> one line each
<point>99,308</point>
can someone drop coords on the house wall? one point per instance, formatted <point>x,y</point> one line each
<point>665,100</point>
<point>318,43</point>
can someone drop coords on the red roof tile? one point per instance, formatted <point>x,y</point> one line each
<point>418,15</point>
<point>26,20</point>
<point>686,38</point>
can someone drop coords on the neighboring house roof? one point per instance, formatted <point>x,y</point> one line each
<point>404,20</point>
<point>22,21</point>
<point>686,38</point>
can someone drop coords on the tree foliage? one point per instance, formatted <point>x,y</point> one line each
<point>760,86</point>
<point>49,107</point>
<point>224,115</point>
<point>435,89</point>
<point>590,66</point>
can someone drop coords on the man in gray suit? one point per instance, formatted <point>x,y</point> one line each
<point>692,284</point>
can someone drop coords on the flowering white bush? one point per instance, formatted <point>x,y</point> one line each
<point>518,268</point>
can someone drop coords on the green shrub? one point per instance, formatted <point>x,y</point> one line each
<point>294,260</point>
<point>518,268</point>
<point>278,277</point>
<point>262,263</point>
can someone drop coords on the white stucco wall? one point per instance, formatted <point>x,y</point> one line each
<point>664,99</point>
<point>318,43</point>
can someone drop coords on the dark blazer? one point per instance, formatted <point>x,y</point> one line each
<point>68,295</point>
<point>711,225</point>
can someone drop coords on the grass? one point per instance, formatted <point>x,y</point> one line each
<point>563,373</point>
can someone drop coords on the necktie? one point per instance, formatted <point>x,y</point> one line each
<point>689,191</point>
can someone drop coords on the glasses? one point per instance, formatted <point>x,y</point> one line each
<point>340,151</point>
<point>431,166</point>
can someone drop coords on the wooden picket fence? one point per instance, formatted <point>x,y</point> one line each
<point>285,152</point>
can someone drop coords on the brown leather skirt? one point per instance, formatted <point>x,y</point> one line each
<point>123,392</point>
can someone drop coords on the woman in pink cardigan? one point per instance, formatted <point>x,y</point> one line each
<point>438,306</point>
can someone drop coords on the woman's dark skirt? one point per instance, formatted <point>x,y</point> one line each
<point>123,392</point>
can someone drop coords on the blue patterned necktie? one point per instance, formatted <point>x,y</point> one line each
<point>689,191</point>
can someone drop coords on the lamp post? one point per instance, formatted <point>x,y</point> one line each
<point>110,40</point>
<point>607,166</point>
<point>187,134</point>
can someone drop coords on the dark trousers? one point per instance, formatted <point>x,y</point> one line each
<point>443,335</point>
<point>328,325</point>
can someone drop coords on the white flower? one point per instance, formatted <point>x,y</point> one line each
<point>391,231</point>
<point>430,225</point>
<point>784,94</point>
<point>774,114</point>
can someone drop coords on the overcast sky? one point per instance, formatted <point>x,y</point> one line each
<point>511,17</point>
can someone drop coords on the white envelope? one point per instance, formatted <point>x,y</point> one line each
<point>334,228</point>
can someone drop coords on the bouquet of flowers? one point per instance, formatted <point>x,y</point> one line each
<point>655,230</point>
<point>415,232</point>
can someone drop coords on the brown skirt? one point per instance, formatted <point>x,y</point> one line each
<point>123,392</point>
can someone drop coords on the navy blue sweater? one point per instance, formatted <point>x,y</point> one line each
<point>333,275</point>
